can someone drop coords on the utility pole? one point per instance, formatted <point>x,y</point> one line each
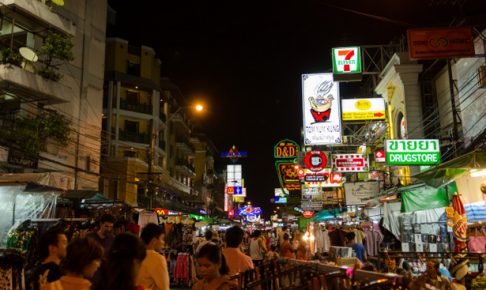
<point>455,134</point>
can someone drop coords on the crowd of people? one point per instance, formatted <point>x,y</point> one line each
<point>103,260</point>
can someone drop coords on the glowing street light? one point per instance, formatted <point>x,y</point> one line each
<point>199,107</point>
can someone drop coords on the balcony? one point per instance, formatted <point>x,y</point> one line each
<point>37,15</point>
<point>185,145</point>
<point>26,84</point>
<point>139,108</point>
<point>162,117</point>
<point>185,167</point>
<point>134,137</point>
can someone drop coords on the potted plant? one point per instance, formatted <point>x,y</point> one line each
<point>55,51</point>
<point>9,55</point>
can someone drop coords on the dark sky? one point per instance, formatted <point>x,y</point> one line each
<point>246,58</point>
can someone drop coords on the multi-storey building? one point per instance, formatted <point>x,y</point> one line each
<point>148,149</point>
<point>65,93</point>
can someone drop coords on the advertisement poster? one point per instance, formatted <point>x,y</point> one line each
<point>288,175</point>
<point>350,163</point>
<point>363,109</point>
<point>321,109</point>
<point>361,192</point>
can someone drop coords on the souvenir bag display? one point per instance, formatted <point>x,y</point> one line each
<point>477,241</point>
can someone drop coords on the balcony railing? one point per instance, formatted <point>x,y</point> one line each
<point>140,108</point>
<point>186,142</point>
<point>134,137</point>
<point>185,163</point>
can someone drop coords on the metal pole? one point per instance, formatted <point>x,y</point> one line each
<point>454,109</point>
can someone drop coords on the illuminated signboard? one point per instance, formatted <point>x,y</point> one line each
<point>315,160</point>
<point>323,178</point>
<point>279,192</point>
<point>239,199</point>
<point>361,192</point>
<point>412,152</point>
<point>321,108</point>
<point>308,214</point>
<point>444,42</point>
<point>363,109</point>
<point>249,210</point>
<point>234,154</point>
<point>279,200</point>
<point>286,149</point>
<point>346,60</point>
<point>288,175</point>
<point>380,155</point>
<point>350,163</point>
<point>234,175</point>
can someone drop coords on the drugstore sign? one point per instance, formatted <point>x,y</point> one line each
<point>412,152</point>
<point>346,60</point>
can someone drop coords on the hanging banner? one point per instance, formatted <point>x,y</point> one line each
<point>444,42</point>
<point>412,152</point>
<point>363,109</point>
<point>286,149</point>
<point>350,163</point>
<point>380,155</point>
<point>323,178</point>
<point>361,192</point>
<point>321,108</point>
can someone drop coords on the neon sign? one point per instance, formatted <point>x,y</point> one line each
<point>249,210</point>
<point>286,149</point>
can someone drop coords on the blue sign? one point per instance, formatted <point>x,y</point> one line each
<point>238,190</point>
<point>249,210</point>
<point>279,199</point>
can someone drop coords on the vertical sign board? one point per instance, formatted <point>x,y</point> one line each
<point>412,152</point>
<point>321,108</point>
<point>288,175</point>
<point>346,60</point>
<point>444,42</point>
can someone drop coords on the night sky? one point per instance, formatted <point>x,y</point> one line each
<point>245,59</point>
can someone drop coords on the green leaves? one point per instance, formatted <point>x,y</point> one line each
<point>56,50</point>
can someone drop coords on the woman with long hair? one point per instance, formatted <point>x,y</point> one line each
<point>212,268</point>
<point>123,265</point>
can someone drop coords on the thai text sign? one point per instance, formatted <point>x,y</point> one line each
<point>321,109</point>
<point>412,152</point>
<point>286,149</point>
<point>346,60</point>
<point>361,192</point>
<point>350,163</point>
<point>363,109</point>
<point>449,42</point>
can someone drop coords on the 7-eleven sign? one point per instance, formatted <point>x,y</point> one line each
<point>346,60</point>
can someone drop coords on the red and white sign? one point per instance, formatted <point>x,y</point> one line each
<point>350,163</point>
<point>380,155</point>
<point>308,214</point>
<point>324,178</point>
<point>315,160</point>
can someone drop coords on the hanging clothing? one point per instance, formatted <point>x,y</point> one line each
<point>390,221</point>
<point>359,236</point>
<point>338,238</point>
<point>373,241</point>
<point>323,243</point>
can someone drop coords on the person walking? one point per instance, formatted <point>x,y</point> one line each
<point>52,249</point>
<point>285,248</point>
<point>121,269</point>
<point>257,248</point>
<point>236,260</point>
<point>104,234</point>
<point>153,272</point>
<point>83,258</point>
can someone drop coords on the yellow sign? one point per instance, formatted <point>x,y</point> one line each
<point>363,109</point>
<point>238,198</point>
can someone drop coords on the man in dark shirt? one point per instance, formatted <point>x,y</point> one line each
<point>52,249</point>
<point>104,234</point>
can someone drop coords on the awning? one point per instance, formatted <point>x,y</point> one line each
<point>328,214</point>
<point>423,196</point>
<point>452,169</point>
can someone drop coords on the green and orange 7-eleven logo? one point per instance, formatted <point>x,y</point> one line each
<point>346,60</point>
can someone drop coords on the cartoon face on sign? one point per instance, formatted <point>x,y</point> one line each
<point>322,103</point>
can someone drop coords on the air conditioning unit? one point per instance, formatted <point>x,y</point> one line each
<point>482,76</point>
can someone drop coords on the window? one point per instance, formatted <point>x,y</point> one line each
<point>131,126</point>
<point>133,68</point>
<point>129,153</point>
<point>132,98</point>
